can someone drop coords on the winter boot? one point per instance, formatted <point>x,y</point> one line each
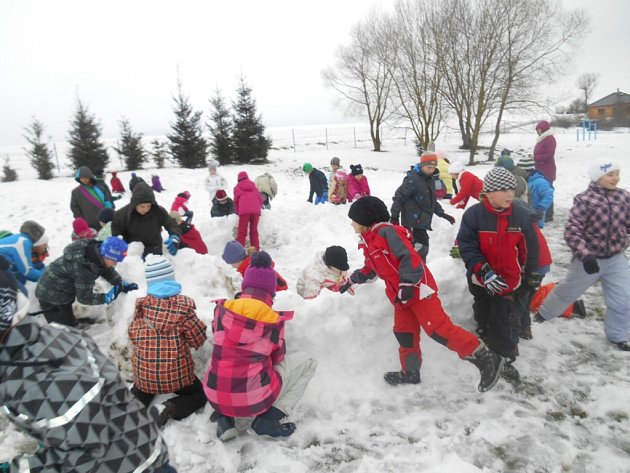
<point>578,309</point>
<point>624,346</point>
<point>402,377</point>
<point>226,429</point>
<point>489,365</point>
<point>268,424</point>
<point>526,333</point>
<point>510,373</point>
<point>169,412</point>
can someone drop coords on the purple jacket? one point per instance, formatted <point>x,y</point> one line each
<point>599,222</point>
<point>544,153</point>
<point>247,199</point>
<point>356,186</point>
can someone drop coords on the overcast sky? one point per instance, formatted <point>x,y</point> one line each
<point>121,58</point>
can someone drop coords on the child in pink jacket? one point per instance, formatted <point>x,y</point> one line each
<point>179,205</point>
<point>357,183</point>
<point>248,204</point>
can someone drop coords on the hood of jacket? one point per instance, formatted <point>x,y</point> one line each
<point>84,171</point>
<point>142,193</point>
<point>246,185</point>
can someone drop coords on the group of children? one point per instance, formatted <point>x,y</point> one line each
<point>249,376</point>
<point>340,187</point>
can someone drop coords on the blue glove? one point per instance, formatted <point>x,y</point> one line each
<point>172,244</point>
<point>113,294</point>
<point>129,286</point>
<point>4,467</point>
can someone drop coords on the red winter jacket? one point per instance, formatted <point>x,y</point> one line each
<point>117,185</point>
<point>469,186</point>
<point>505,240</point>
<point>192,239</point>
<point>389,255</point>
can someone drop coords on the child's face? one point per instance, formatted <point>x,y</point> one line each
<point>143,208</point>
<point>609,180</point>
<point>109,263</point>
<point>428,168</point>
<point>86,181</point>
<point>337,271</point>
<point>334,167</point>
<point>500,200</point>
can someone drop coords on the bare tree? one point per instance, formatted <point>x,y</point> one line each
<point>587,83</point>
<point>537,38</point>
<point>363,73</point>
<point>417,80</point>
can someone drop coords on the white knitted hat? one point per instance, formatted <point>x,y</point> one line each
<point>601,167</point>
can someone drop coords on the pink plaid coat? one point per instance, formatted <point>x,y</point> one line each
<point>241,380</point>
<point>162,333</point>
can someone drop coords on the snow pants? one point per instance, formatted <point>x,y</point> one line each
<point>251,221</point>
<point>428,314</point>
<point>497,318</point>
<point>186,401</point>
<point>295,378</point>
<point>61,314</point>
<point>614,274</point>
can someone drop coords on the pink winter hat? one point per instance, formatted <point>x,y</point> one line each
<point>242,175</point>
<point>260,273</point>
<point>80,226</point>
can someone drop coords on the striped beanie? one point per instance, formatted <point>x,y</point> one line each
<point>499,179</point>
<point>428,158</point>
<point>157,268</point>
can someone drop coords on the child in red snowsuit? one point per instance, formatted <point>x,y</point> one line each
<point>117,185</point>
<point>410,286</point>
<point>191,238</point>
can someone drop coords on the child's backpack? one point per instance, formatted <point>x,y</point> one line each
<point>4,234</point>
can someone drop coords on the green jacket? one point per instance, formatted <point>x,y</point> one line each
<point>72,276</point>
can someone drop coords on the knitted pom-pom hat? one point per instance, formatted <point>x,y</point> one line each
<point>260,273</point>
<point>499,179</point>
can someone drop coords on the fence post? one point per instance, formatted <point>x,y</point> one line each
<point>293,133</point>
<point>405,140</point>
<point>326,130</point>
<point>354,130</point>
<point>56,157</point>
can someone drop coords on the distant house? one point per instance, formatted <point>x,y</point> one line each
<point>615,106</point>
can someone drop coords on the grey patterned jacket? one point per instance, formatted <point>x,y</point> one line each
<point>73,275</point>
<point>57,386</point>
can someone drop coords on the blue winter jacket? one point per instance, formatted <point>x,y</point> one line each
<point>17,250</point>
<point>540,195</point>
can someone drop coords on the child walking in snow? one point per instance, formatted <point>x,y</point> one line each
<point>498,244</point>
<point>164,329</point>
<point>597,235</point>
<point>409,285</point>
<point>327,270</point>
<point>117,185</point>
<point>248,204</point>
<point>214,181</point>
<point>249,375</point>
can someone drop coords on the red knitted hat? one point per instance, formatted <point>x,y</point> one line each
<point>221,195</point>
<point>428,158</point>
<point>80,226</point>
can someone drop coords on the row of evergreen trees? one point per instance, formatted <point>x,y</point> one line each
<point>236,135</point>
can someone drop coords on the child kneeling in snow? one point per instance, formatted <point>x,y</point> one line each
<point>248,374</point>
<point>164,329</point>
<point>409,285</point>
<point>327,270</point>
<point>238,257</point>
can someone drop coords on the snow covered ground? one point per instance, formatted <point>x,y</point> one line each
<point>571,413</point>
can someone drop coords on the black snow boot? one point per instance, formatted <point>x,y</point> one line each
<point>510,373</point>
<point>624,346</point>
<point>578,309</point>
<point>489,364</point>
<point>402,377</point>
<point>268,424</point>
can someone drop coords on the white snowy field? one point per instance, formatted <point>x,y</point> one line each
<point>571,413</point>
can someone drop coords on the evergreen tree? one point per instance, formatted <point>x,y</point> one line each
<point>221,145</point>
<point>130,147</point>
<point>9,174</point>
<point>187,144</point>
<point>250,142</point>
<point>84,137</point>
<point>159,153</point>
<point>39,152</point>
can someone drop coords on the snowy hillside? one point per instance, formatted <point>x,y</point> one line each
<point>571,413</point>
